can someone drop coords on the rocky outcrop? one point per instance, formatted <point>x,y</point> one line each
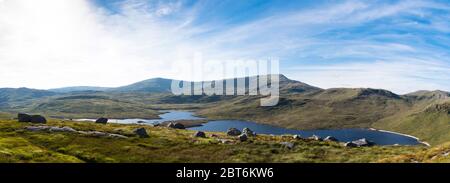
<point>233,132</point>
<point>141,133</point>
<point>200,134</point>
<point>102,120</point>
<point>54,129</point>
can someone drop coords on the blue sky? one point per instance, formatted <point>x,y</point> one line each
<point>401,46</point>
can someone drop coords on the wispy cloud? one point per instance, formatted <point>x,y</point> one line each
<point>54,43</point>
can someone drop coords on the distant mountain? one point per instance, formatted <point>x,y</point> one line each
<point>78,89</point>
<point>424,94</point>
<point>8,95</point>
<point>151,85</point>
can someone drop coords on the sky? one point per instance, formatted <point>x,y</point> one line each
<point>402,46</point>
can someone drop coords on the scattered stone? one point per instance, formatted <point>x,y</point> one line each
<point>446,154</point>
<point>288,145</point>
<point>362,142</point>
<point>38,119</point>
<point>155,124</point>
<point>102,120</point>
<point>141,132</point>
<point>233,132</point>
<point>315,137</point>
<point>243,137</point>
<point>37,128</point>
<point>225,141</point>
<point>117,136</point>
<point>96,134</point>
<point>176,126</point>
<point>23,117</point>
<point>214,136</point>
<point>248,132</point>
<point>296,137</point>
<point>331,139</point>
<point>63,129</point>
<point>200,134</point>
<point>350,144</point>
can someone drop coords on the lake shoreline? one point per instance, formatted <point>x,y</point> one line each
<point>403,134</point>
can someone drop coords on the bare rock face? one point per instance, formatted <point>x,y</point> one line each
<point>141,132</point>
<point>102,120</point>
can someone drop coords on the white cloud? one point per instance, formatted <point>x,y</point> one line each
<point>400,76</point>
<point>54,43</point>
<point>51,43</point>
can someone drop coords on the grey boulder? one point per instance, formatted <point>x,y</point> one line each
<point>200,134</point>
<point>243,137</point>
<point>176,126</point>
<point>363,142</point>
<point>331,139</point>
<point>248,132</point>
<point>288,145</point>
<point>102,120</point>
<point>315,137</point>
<point>23,117</point>
<point>141,133</point>
<point>233,132</point>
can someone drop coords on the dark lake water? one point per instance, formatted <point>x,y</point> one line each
<point>344,135</point>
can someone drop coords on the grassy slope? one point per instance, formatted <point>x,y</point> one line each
<point>169,145</point>
<point>430,124</point>
<point>334,108</point>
